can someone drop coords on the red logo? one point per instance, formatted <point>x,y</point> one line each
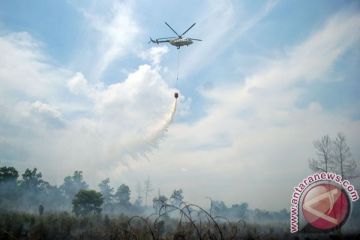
<point>326,206</point>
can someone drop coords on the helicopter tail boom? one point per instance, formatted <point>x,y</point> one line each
<point>159,40</point>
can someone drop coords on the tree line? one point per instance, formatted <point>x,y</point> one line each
<point>30,192</point>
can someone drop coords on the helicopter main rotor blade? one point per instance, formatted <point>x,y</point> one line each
<point>196,39</point>
<point>172,30</point>
<point>188,29</point>
<point>167,38</point>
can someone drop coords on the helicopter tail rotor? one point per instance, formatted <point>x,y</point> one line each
<point>153,41</point>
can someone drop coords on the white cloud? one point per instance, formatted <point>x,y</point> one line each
<point>46,109</point>
<point>154,54</point>
<point>24,69</point>
<point>78,84</point>
<point>117,33</point>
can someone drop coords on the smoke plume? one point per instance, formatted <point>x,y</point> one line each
<point>140,145</point>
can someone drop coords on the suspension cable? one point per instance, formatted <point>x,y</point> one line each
<point>177,67</point>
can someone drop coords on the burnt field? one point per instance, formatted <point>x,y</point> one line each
<point>195,225</point>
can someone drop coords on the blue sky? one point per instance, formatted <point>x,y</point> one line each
<point>81,88</point>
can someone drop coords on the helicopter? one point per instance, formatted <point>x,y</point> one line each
<point>178,41</point>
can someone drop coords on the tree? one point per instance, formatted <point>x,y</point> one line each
<point>177,197</point>
<point>219,207</point>
<point>33,189</point>
<point>139,198</point>
<point>324,150</point>
<point>262,215</point>
<point>53,199</point>
<point>122,195</point>
<point>159,201</point>
<point>148,189</point>
<point>32,180</point>
<point>138,203</point>
<point>8,174</point>
<point>8,184</point>
<point>342,157</point>
<point>107,192</point>
<point>86,202</point>
<point>333,155</point>
<point>240,210</point>
<point>73,184</point>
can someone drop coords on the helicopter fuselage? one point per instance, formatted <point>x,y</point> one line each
<point>179,42</point>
